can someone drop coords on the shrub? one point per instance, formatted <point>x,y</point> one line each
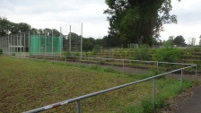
<point>1,51</point>
<point>77,54</point>
<point>97,48</point>
<point>66,53</point>
<point>143,53</point>
<point>167,54</point>
<point>13,54</point>
<point>121,53</point>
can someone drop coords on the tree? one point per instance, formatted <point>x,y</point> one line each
<point>88,44</point>
<point>23,27</point>
<point>75,41</point>
<point>7,27</point>
<point>138,21</point>
<point>179,41</point>
<point>112,41</point>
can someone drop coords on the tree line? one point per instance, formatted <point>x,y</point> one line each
<point>130,22</point>
<point>89,43</point>
<point>7,27</point>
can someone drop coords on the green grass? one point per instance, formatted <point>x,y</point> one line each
<point>28,84</point>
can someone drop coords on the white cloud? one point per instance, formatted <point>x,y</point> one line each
<point>189,20</point>
<point>56,13</point>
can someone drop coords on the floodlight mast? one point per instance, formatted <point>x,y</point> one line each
<point>52,43</point>
<point>81,39</point>
<point>45,42</point>
<point>8,48</point>
<point>61,38</point>
<point>70,40</point>
<point>24,49</point>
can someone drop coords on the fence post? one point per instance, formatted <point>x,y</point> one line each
<point>181,81</point>
<point>154,92</point>
<point>78,106</point>
<point>196,71</point>
<point>157,65</point>
<point>123,63</point>
<point>99,61</point>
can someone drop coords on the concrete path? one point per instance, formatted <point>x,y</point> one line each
<point>190,104</point>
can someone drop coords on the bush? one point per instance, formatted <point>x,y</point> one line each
<point>13,54</point>
<point>97,48</point>
<point>65,53</point>
<point>1,51</point>
<point>76,54</point>
<point>143,53</point>
<point>167,54</point>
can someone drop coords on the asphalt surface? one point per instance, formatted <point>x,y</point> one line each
<point>190,104</point>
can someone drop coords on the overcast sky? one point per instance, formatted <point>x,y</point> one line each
<point>56,13</point>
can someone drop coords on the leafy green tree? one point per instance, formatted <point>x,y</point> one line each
<point>138,21</point>
<point>99,42</point>
<point>75,40</point>
<point>48,32</point>
<point>97,48</point>
<point>7,27</point>
<point>33,31</point>
<point>23,27</point>
<point>112,41</point>
<point>88,44</point>
<point>179,41</point>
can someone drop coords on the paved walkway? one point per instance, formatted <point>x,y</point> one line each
<point>192,102</point>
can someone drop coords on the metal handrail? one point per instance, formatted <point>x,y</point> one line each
<point>77,99</point>
<point>144,61</point>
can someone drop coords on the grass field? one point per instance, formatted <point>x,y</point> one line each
<point>27,84</point>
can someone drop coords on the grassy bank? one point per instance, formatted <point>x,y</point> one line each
<point>27,84</point>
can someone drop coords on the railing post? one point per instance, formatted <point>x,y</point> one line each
<point>154,92</point>
<point>123,63</point>
<point>181,81</point>
<point>157,65</point>
<point>196,70</point>
<point>78,106</point>
<point>99,60</point>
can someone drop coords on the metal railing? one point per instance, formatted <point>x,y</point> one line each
<point>121,62</point>
<point>78,99</point>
